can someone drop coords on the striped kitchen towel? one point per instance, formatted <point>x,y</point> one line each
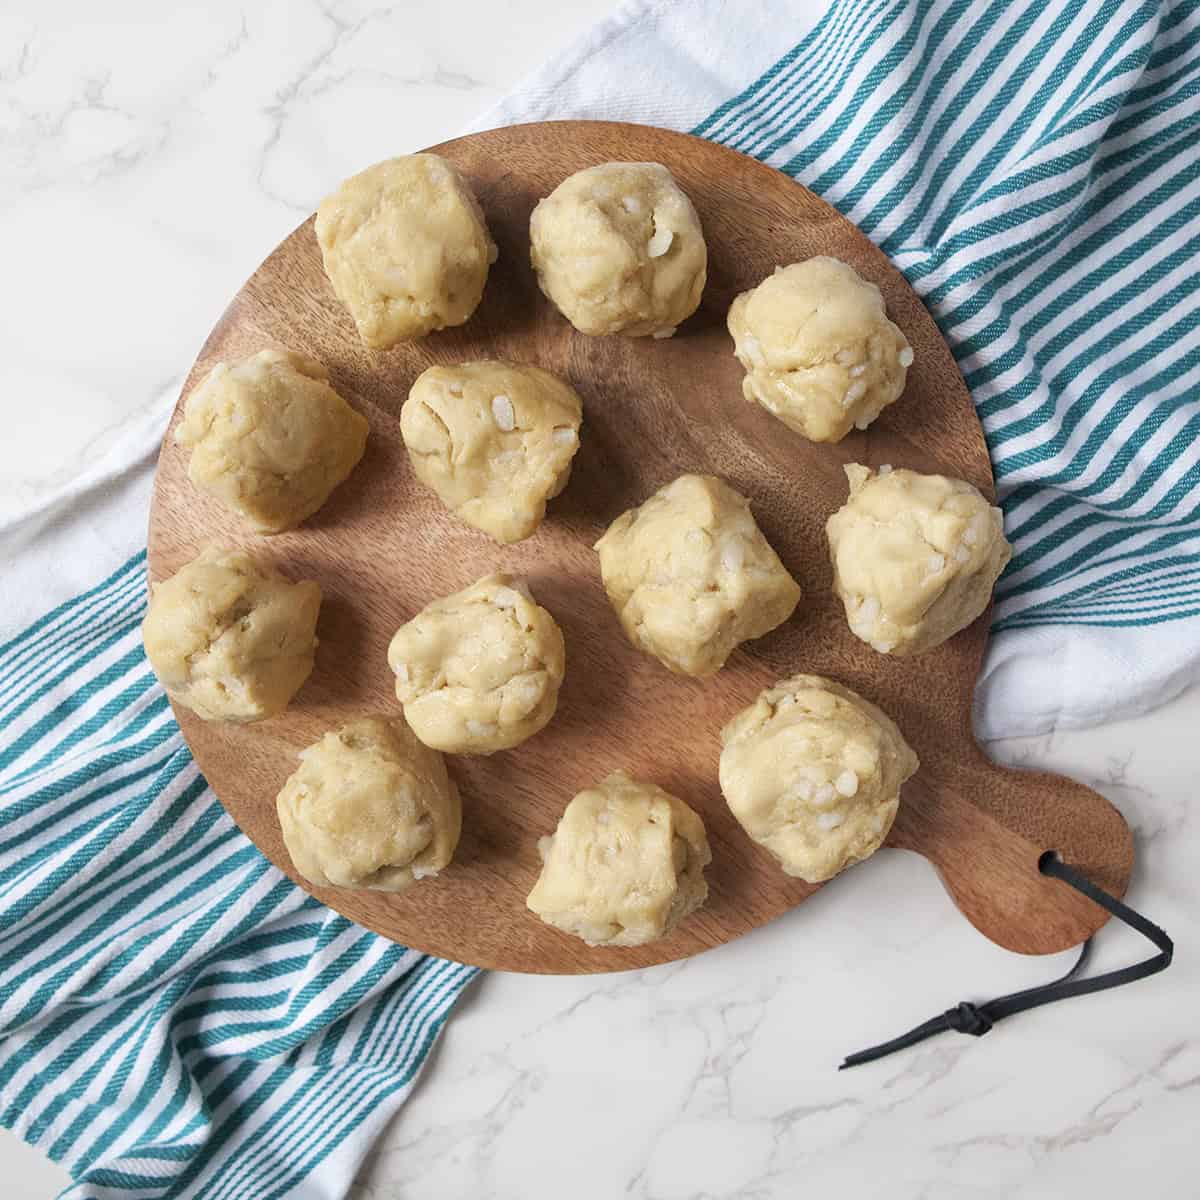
<point>1034,171</point>
<point>176,1017</point>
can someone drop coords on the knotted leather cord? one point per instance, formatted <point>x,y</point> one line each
<point>977,1019</point>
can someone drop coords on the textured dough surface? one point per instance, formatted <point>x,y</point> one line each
<point>270,438</point>
<point>625,865</point>
<point>915,557</point>
<point>692,577</point>
<point>818,348</point>
<point>405,247</point>
<point>230,639</point>
<point>494,440</point>
<point>479,671</point>
<point>370,807</point>
<point>812,771</point>
<point>618,248</point>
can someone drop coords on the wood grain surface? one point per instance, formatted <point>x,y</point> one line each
<point>383,546</point>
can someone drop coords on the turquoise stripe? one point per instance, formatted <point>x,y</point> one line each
<point>293,1110</point>
<point>900,195</point>
<point>1168,457</point>
<point>150,704</point>
<point>813,84</point>
<point>1156,607</point>
<point>1070,419</point>
<point>985,271</point>
<point>1109,306</point>
<point>260,912</point>
<point>1110,199</point>
<point>15,643</point>
<point>71,802</point>
<point>1058,538</point>
<point>875,77</point>
<point>443,984</point>
<point>44,1038</point>
<point>246,859</point>
<point>89,688</point>
<point>1088,557</point>
<point>81,1082</point>
<point>1157,582</point>
<point>154,1138</point>
<point>140,753</point>
<point>895,104</point>
<point>64,643</point>
<point>294,1034</point>
<point>351,1117</point>
<point>1015,261</point>
<point>58,717</point>
<point>1147,589</point>
<point>1014,77</point>
<point>1029,113</point>
<point>763,84</point>
<point>1101,622</point>
<point>1115,538</point>
<point>103,884</point>
<point>1135,61</point>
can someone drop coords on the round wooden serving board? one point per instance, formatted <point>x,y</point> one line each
<point>383,547</point>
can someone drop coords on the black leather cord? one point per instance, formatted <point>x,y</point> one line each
<point>977,1019</point>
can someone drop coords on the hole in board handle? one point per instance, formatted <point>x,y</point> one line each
<point>1046,858</point>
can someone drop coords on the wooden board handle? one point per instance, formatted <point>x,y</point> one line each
<point>992,826</point>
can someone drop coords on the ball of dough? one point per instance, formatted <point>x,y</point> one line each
<point>230,639</point>
<point>625,865</point>
<point>479,671</point>
<point>618,249</point>
<point>370,807</point>
<point>813,773</point>
<point>270,438</point>
<point>692,577</point>
<point>494,440</point>
<point>819,351</point>
<point>405,246</point>
<point>915,557</point>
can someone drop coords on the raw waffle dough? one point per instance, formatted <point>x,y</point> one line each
<point>818,348</point>
<point>618,248</point>
<point>691,576</point>
<point>270,438</point>
<point>406,248</point>
<point>915,557</point>
<point>370,807</point>
<point>625,865</point>
<point>494,440</point>
<point>479,671</point>
<point>230,639</point>
<point>812,771</point>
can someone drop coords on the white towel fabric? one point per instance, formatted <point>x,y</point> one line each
<point>1030,167</point>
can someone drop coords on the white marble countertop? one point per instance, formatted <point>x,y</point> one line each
<point>151,159</point>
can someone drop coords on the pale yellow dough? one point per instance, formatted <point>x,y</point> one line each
<point>494,440</point>
<point>813,773</point>
<point>625,865</point>
<point>479,671</point>
<point>270,438</point>
<point>915,557</point>
<point>405,247</point>
<point>692,577</point>
<point>818,348</point>
<point>230,639</point>
<point>370,807</point>
<point>618,248</point>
